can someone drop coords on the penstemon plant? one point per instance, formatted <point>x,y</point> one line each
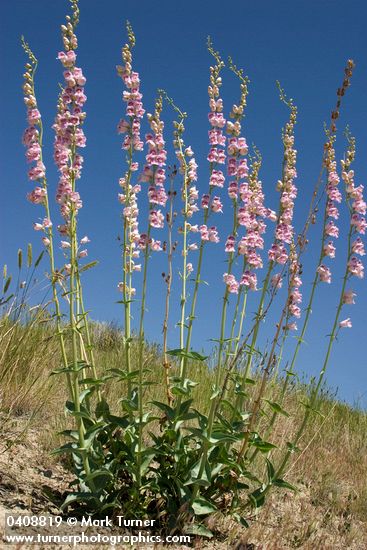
<point>175,459</point>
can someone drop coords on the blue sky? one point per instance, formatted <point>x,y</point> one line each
<point>303,44</point>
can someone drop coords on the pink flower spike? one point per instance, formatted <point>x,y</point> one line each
<point>347,323</point>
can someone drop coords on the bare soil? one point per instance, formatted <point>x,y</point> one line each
<point>28,473</point>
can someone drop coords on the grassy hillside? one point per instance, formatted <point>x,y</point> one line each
<point>328,511</point>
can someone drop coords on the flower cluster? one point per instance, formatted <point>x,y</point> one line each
<point>32,142</point>
<point>132,96</point>
<point>132,142</point>
<point>154,174</point>
<point>295,296</point>
<point>357,208</point>
<point>284,229</point>
<point>358,222</point>
<point>332,213</point>
<point>69,135</point>
<point>217,141</point>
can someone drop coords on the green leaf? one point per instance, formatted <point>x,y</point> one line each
<point>88,266</point>
<point>284,484</point>
<point>199,530</point>
<point>70,368</point>
<point>123,374</point>
<point>307,406</point>
<point>215,393</point>
<point>240,520</point>
<point>85,394</point>
<point>102,408</point>
<point>93,381</point>
<point>180,352</point>
<point>202,507</point>
<point>263,446</point>
<point>277,408</point>
<point>101,476</point>
<point>220,437</point>
<point>292,448</point>
<point>39,259</point>
<point>270,470</point>
<point>67,448</point>
<point>169,412</point>
<point>20,258</point>
<point>257,498</point>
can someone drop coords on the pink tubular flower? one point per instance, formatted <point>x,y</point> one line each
<point>329,249</point>
<point>291,326</point>
<point>156,219</point>
<point>213,235</point>
<point>205,201</point>
<point>348,297</point>
<point>232,284</point>
<point>216,205</point>
<point>276,281</point>
<point>347,323</point>
<point>331,229</point>
<point>324,273</point>
<point>355,267</point>
<point>230,244</point>
<point>249,279</point>
<point>37,196</point>
<point>358,247</point>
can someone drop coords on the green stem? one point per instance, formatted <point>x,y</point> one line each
<point>240,398</point>
<point>166,363</point>
<point>140,357</point>
<point>315,392</point>
<point>126,270</point>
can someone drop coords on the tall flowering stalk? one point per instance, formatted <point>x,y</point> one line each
<point>130,128</point>
<point>331,212</point>
<point>283,232</point>
<point>253,184</point>
<point>237,167</point>
<point>154,174</point>
<point>290,309</point>
<point>168,277</point>
<point>216,158</point>
<point>33,141</point>
<point>69,138</point>
<point>354,268</point>
<point>189,196</point>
